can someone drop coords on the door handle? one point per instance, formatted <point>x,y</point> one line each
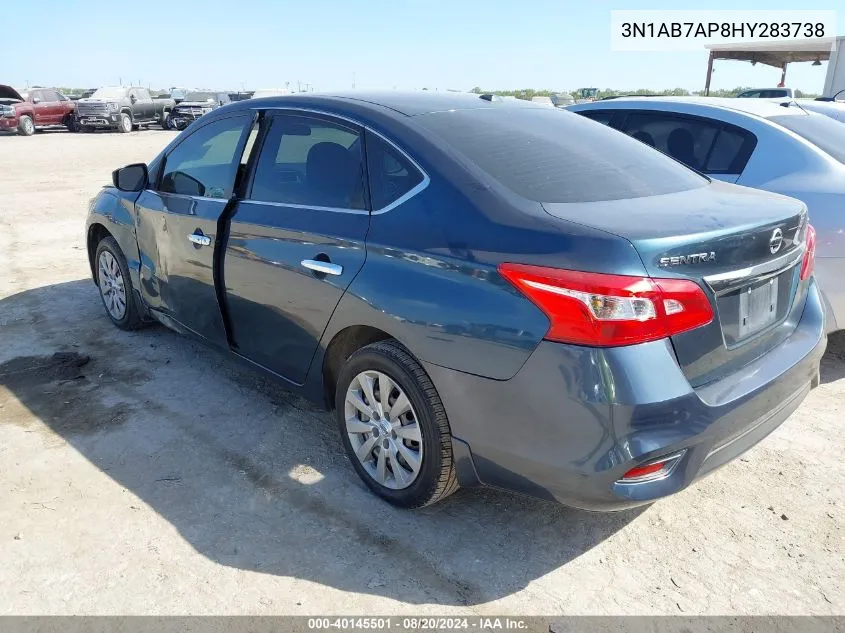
<point>199,239</point>
<point>326,268</point>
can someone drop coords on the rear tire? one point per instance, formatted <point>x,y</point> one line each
<point>423,417</point>
<point>125,124</point>
<point>119,297</point>
<point>26,127</point>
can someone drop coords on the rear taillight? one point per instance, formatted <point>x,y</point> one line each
<point>809,261</point>
<point>610,310</point>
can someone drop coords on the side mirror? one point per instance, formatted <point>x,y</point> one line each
<point>133,98</point>
<point>131,178</point>
<point>36,100</point>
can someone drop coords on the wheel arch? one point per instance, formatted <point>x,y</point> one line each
<point>342,345</point>
<point>96,234</point>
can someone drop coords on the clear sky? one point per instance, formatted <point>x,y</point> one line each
<point>458,44</point>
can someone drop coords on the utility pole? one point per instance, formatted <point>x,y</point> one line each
<point>353,80</point>
<point>298,86</point>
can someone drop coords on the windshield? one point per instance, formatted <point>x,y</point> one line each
<point>112,92</point>
<point>201,96</point>
<point>549,155</point>
<point>821,131</point>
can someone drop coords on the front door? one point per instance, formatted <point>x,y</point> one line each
<point>178,225</point>
<point>40,108</point>
<point>296,241</point>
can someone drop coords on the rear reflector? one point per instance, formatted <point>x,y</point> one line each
<point>652,471</point>
<point>809,262</point>
<point>602,310</point>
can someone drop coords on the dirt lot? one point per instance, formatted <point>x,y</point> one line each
<point>162,477</point>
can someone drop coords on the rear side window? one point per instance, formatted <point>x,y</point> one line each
<point>206,163</point>
<point>550,155</point>
<point>311,162</point>
<point>599,116</point>
<point>392,175</point>
<point>707,145</point>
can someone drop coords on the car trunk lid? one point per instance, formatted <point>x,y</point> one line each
<point>742,246</point>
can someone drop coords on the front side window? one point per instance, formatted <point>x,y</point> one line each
<point>206,163</point>
<point>311,162</point>
<point>706,145</point>
<point>391,174</point>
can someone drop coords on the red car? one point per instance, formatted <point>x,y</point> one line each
<point>35,108</point>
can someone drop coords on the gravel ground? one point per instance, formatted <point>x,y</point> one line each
<point>160,477</point>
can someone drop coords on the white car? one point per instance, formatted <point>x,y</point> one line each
<point>757,143</point>
<point>767,93</point>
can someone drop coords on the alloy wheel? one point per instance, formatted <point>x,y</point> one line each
<point>383,430</point>
<point>112,288</point>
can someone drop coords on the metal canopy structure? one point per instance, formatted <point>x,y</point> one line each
<point>771,53</point>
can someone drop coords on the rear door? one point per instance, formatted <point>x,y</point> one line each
<point>177,224</point>
<point>297,240</point>
<point>709,146</point>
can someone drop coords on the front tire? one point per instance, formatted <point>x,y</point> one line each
<point>394,427</point>
<point>26,127</point>
<point>166,123</point>
<point>115,285</point>
<point>125,124</point>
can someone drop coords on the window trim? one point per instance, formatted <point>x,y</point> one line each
<point>154,187</point>
<point>744,153</point>
<point>423,184</point>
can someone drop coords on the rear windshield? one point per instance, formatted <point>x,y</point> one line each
<point>821,131</point>
<point>548,155</point>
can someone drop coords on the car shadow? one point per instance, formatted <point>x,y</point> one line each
<point>251,475</point>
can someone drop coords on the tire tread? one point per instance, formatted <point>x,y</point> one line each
<point>447,480</point>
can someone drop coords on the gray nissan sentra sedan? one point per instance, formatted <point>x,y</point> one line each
<point>484,292</point>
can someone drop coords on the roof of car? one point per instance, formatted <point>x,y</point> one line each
<point>409,103</point>
<point>758,107</point>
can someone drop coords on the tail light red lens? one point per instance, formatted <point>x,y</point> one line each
<point>652,471</point>
<point>602,310</point>
<point>809,262</point>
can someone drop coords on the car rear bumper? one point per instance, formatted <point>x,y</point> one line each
<point>574,419</point>
<point>828,273</point>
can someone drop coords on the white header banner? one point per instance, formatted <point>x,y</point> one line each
<point>693,30</point>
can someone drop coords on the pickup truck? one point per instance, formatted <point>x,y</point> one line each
<point>194,105</point>
<point>24,112</point>
<point>122,109</point>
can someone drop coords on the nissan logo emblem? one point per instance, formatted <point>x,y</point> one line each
<point>776,241</point>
